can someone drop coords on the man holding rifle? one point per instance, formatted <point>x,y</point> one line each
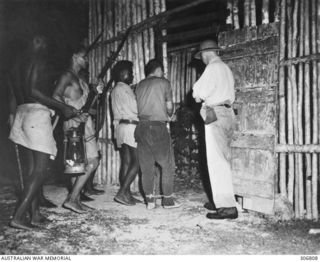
<point>73,90</point>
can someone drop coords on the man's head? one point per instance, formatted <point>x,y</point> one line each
<point>123,72</point>
<point>39,43</point>
<point>208,50</point>
<point>155,68</point>
<point>79,58</point>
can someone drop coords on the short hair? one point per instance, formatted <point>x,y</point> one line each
<point>119,67</point>
<point>152,65</point>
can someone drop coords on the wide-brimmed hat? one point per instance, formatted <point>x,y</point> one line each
<point>206,46</point>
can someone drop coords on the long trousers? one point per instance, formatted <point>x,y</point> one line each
<point>154,146</point>
<point>218,139</point>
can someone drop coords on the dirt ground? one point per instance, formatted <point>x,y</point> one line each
<point>116,229</point>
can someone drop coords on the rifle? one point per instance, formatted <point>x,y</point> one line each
<point>93,44</point>
<point>110,60</point>
<point>92,95</point>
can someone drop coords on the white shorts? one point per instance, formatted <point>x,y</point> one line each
<point>124,134</point>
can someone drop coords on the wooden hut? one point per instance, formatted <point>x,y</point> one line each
<point>272,47</point>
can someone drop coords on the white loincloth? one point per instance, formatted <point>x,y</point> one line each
<point>32,128</point>
<point>218,139</point>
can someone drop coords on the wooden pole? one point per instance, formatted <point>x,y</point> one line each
<point>315,113</point>
<point>265,11</point>
<point>163,8</point>
<point>151,31</point>
<point>236,14</point>
<point>300,195</point>
<point>246,12</point>
<point>303,148</point>
<point>293,81</point>
<point>307,111</point>
<point>315,177</point>
<point>277,11</point>
<point>289,107</point>
<point>282,102</point>
<point>229,17</point>
<point>145,35</point>
<point>183,76</point>
<point>140,40</point>
<point>253,13</point>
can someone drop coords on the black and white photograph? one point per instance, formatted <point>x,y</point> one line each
<point>159,127</point>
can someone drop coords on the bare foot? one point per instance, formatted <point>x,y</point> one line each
<point>73,206</point>
<point>86,207</point>
<point>122,199</point>
<point>40,220</point>
<point>137,201</point>
<point>19,225</point>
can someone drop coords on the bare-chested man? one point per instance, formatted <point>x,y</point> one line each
<point>73,90</point>
<point>31,128</point>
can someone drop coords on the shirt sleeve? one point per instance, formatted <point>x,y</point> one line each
<point>168,92</point>
<point>206,83</point>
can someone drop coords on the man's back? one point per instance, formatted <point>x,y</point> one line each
<point>28,72</point>
<point>152,95</point>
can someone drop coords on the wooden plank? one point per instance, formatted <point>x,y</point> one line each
<point>253,141</point>
<point>190,21</point>
<point>253,188</point>
<point>306,148</point>
<point>301,59</point>
<point>207,31</point>
<point>258,204</point>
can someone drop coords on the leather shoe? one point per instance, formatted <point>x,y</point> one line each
<point>224,213</point>
<point>210,206</point>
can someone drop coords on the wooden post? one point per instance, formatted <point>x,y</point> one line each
<point>282,102</point>
<point>265,11</point>
<point>236,14</point>
<point>307,111</point>
<point>289,107</point>
<point>151,31</point>
<point>229,17</point>
<point>253,13</point>
<point>164,44</point>
<point>315,113</point>
<point>277,11</point>
<point>246,12</point>
<point>145,35</point>
<point>293,81</point>
<point>300,195</point>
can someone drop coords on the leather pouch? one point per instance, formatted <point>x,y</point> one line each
<point>210,116</point>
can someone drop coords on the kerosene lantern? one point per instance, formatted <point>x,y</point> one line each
<point>74,152</point>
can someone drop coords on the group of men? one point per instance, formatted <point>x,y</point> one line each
<point>140,122</point>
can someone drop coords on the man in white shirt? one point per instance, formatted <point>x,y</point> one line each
<point>215,89</point>
<point>125,112</point>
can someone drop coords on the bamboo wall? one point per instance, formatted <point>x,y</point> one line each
<point>112,18</point>
<point>181,74</point>
<point>299,105</point>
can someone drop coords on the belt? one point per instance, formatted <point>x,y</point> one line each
<point>153,122</point>
<point>225,105</point>
<point>128,121</point>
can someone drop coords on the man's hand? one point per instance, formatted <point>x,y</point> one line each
<point>99,88</point>
<point>198,100</point>
<point>69,111</point>
<point>83,117</point>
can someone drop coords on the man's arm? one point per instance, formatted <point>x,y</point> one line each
<point>67,111</point>
<point>12,104</point>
